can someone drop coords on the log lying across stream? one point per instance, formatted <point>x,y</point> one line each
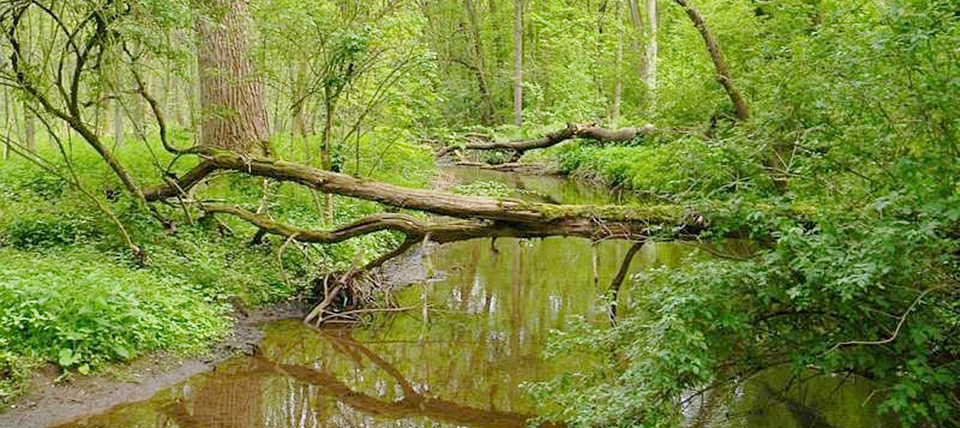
<point>474,217</point>
<point>464,217</point>
<point>572,131</point>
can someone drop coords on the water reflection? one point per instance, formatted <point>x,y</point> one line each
<point>542,188</point>
<point>779,398</point>
<point>488,318</point>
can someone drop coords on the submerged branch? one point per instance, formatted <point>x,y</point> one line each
<point>617,281</point>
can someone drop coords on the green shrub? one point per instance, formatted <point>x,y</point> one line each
<point>70,293</point>
<point>79,309</point>
<point>46,230</point>
<point>13,373</point>
<point>687,166</point>
<point>42,184</point>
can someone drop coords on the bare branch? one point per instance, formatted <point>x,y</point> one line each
<point>572,131</point>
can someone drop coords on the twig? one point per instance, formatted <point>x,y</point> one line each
<point>365,311</point>
<point>614,289</point>
<point>283,272</point>
<point>903,319</point>
<point>715,253</point>
<point>318,310</point>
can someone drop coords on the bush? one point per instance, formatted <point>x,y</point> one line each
<point>70,293</point>
<point>78,310</point>
<point>687,166</point>
<point>46,230</point>
<point>13,373</point>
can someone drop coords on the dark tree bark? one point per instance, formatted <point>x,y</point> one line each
<point>617,281</point>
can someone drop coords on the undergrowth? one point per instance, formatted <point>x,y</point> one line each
<point>72,295</point>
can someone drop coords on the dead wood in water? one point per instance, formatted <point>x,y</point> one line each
<point>620,277</point>
<point>572,131</point>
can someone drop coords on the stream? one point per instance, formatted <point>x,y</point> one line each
<point>491,307</point>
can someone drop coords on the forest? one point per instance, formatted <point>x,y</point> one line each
<point>169,166</point>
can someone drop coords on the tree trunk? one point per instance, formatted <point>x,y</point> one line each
<point>10,121</point>
<point>595,66</point>
<point>740,106</point>
<point>637,21</point>
<point>231,95</point>
<point>117,124</point>
<point>326,161</point>
<point>572,131</point>
<point>651,54</point>
<point>489,109</point>
<point>300,127</point>
<point>618,65</point>
<point>518,62</point>
<point>29,130</point>
<point>326,158</point>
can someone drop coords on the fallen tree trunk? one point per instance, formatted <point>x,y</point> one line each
<point>522,168</point>
<point>490,215</point>
<point>572,131</point>
<point>472,216</point>
<point>415,229</point>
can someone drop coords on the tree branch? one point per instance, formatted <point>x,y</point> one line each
<point>572,131</point>
<point>520,218</point>
<point>740,105</point>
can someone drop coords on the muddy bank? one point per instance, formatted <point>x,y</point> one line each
<point>50,403</point>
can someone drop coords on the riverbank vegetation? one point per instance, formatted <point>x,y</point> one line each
<point>167,159</point>
<point>71,295</point>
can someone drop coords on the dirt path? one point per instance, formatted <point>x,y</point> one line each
<point>49,403</point>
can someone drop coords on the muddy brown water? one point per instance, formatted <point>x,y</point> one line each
<point>490,310</point>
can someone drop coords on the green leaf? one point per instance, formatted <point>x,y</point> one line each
<point>66,357</point>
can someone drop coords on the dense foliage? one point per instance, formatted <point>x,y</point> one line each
<point>857,101</point>
<point>71,295</point>
<point>845,180</point>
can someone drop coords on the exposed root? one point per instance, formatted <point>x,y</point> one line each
<point>317,311</point>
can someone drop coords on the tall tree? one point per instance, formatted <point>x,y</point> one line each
<point>617,66</point>
<point>489,109</point>
<point>651,52</point>
<point>740,106</point>
<point>231,94</point>
<point>637,21</point>
<point>29,129</point>
<point>518,62</point>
